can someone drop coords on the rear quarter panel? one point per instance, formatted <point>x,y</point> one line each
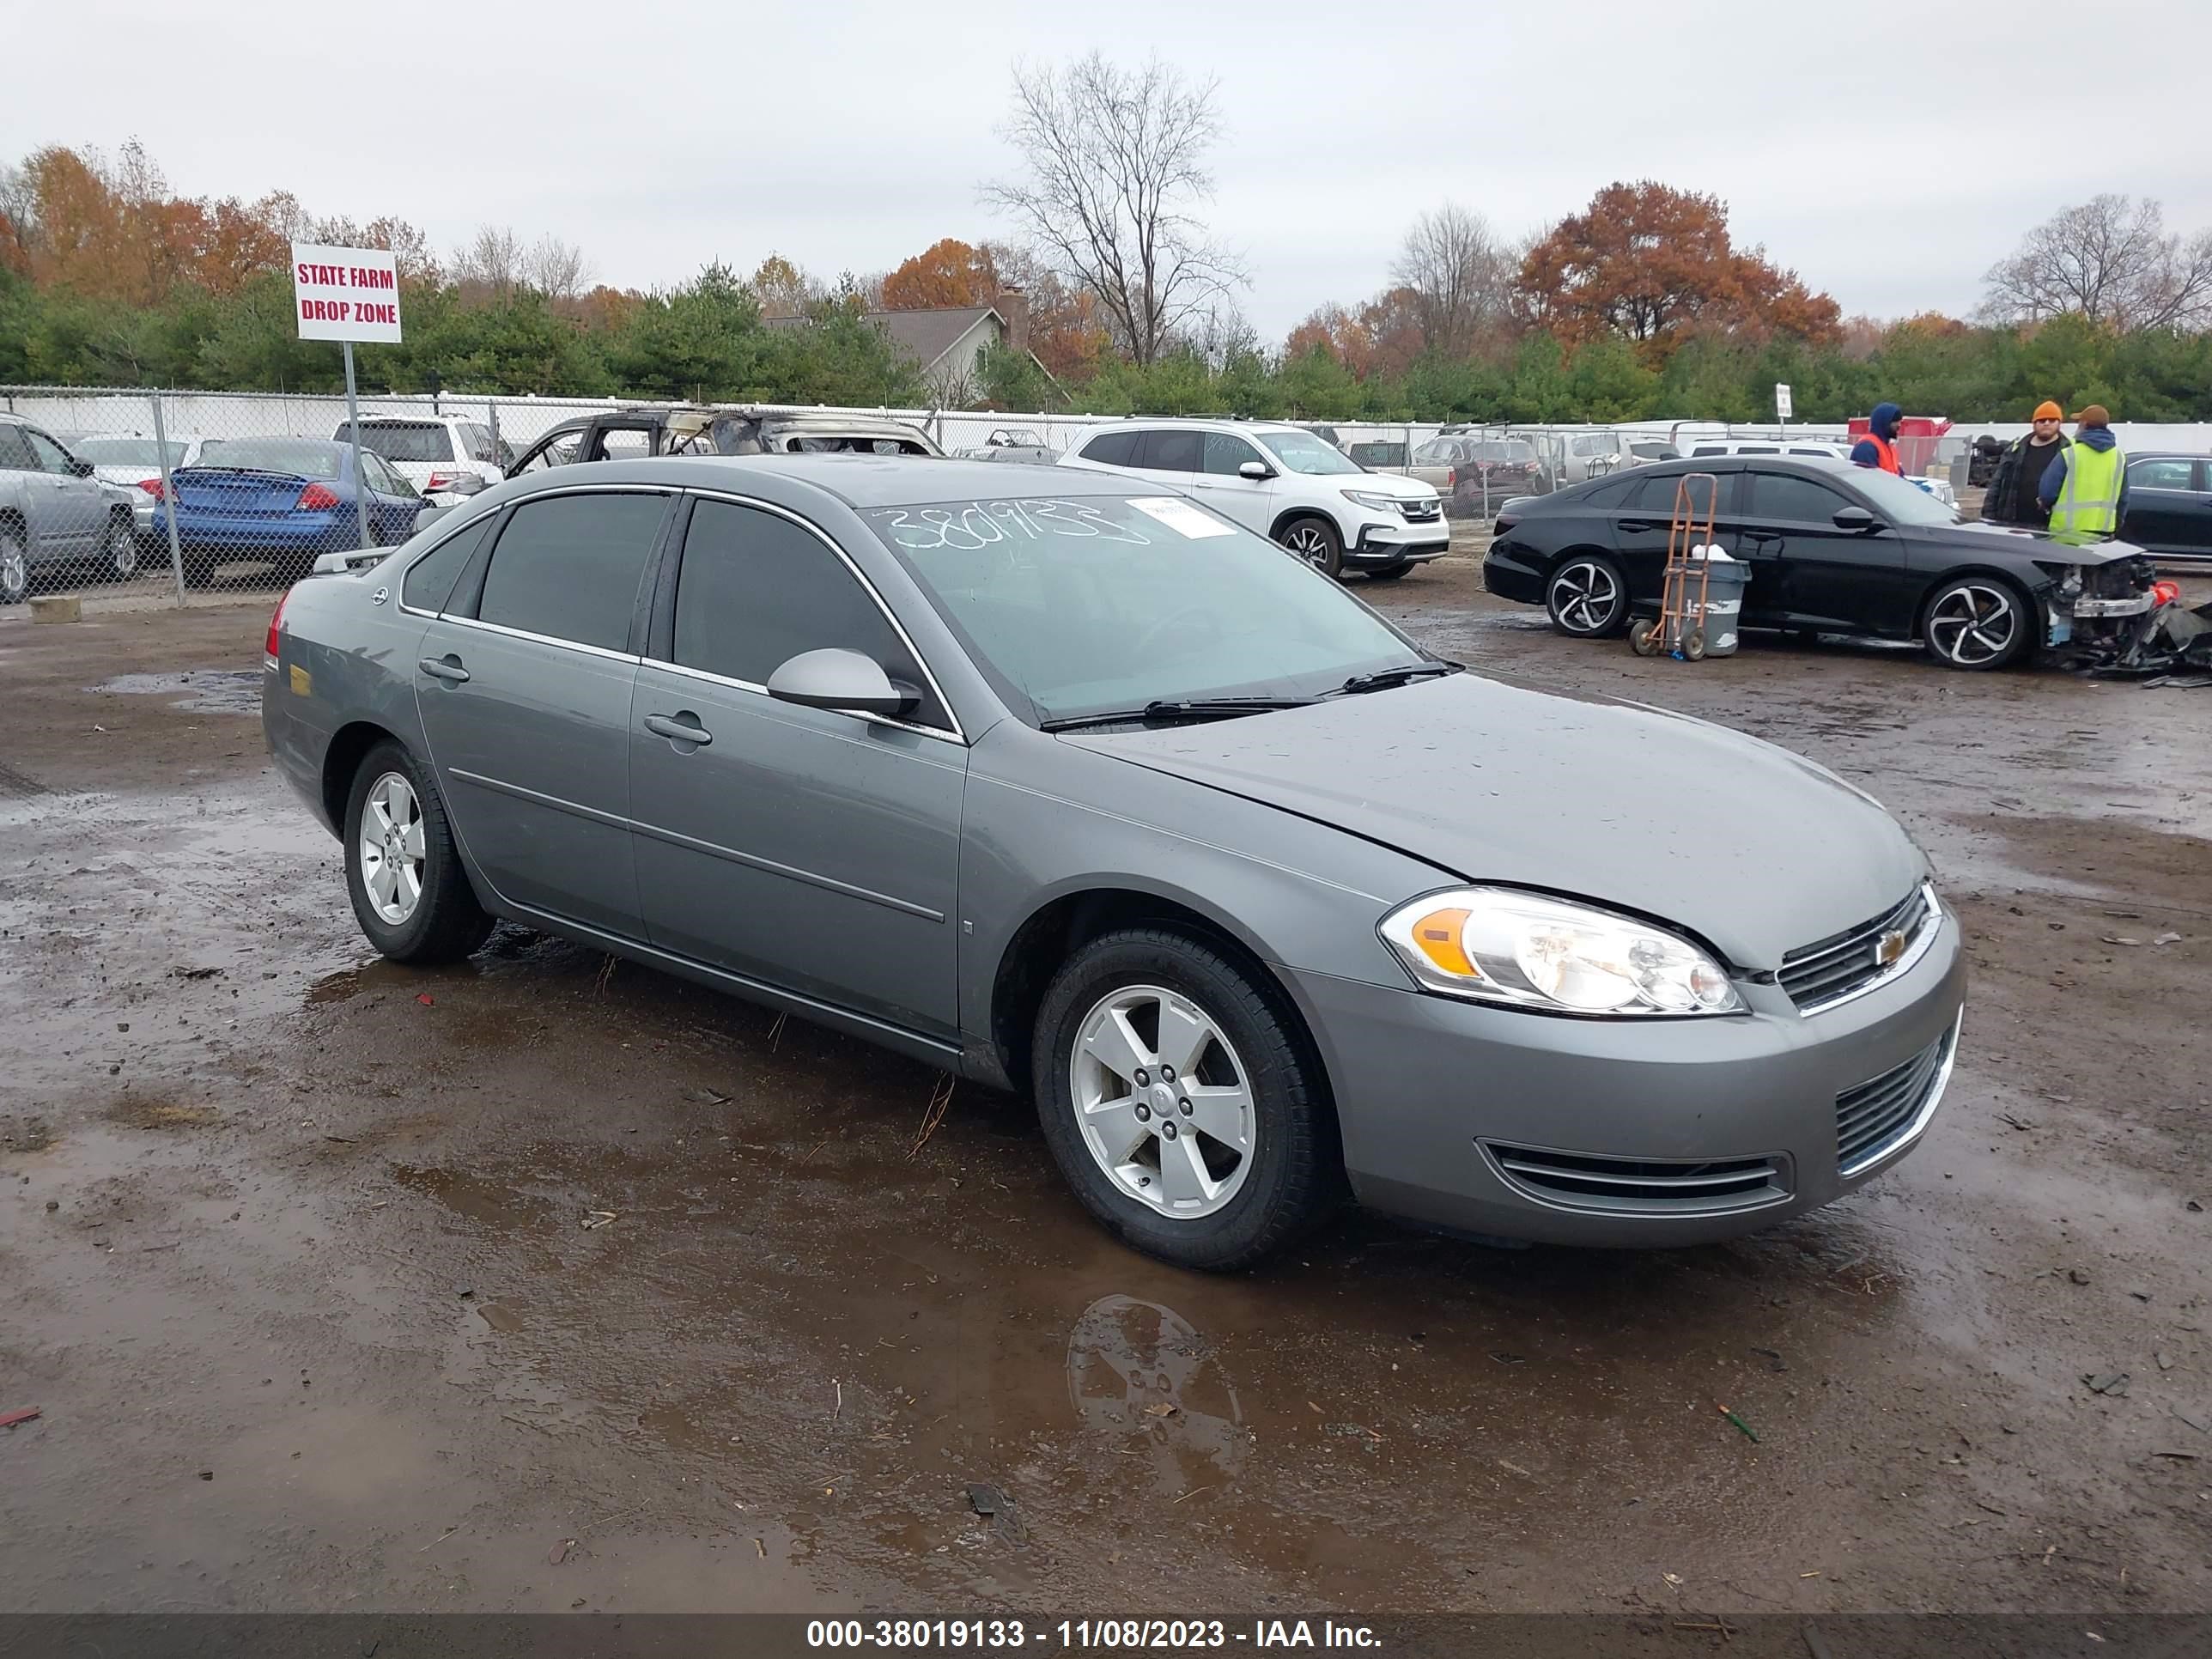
<point>343,659</point>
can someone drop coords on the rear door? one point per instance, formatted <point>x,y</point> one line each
<point>523,687</point>
<point>1848,580</point>
<point>1643,515</point>
<point>1172,455</point>
<point>1221,486</point>
<point>806,848</point>
<point>2168,511</point>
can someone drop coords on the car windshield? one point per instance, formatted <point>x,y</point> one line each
<point>1301,452</point>
<point>125,452</point>
<point>1899,499</point>
<point>300,457</point>
<point>402,441</point>
<point>1098,604</point>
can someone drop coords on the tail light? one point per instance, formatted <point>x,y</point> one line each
<point>152,487</point>
<point>1451,477</point>
<point>275,627</point>
<point>316,498</point>
<point>441,481</point>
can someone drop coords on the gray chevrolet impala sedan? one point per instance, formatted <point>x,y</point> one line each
<point>1064,783</point>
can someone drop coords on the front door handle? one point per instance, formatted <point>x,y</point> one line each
<point>1635,526</point>
<point>680,728</point>
<point>447,669</point>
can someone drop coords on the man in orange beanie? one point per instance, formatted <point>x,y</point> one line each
<point>2012,497</point>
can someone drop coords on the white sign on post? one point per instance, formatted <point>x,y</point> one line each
<point>1782,410</point>
<point>346,293</point>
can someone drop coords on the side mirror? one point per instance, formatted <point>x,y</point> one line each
<point>1257,471</point>
<point>82,468</point>
<point>1856,518</point>
<point>837,679</point>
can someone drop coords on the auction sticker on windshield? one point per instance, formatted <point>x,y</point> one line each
<point>1180,515</point>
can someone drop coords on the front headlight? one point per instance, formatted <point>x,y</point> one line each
<point>1365,498</point>
<point>1503,945</point>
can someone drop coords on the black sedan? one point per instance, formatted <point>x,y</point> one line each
<point>1833,548</point>
<point>2170,507</point>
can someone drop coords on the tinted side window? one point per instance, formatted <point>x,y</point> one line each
<point>1225,453</point>
<point>1792,501</point>
<point>2160,475</point>
<point>1708,449</point>
<point>1656,495</point>
<point>568,567</point>
<point>755,590</point>
<point>1611,493</point>
<point>1113,448</point>
<point>1173,452</point>
<point>481,447</point>
<point>430,578</point>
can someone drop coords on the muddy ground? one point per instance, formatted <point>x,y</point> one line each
<point>293,1258</point>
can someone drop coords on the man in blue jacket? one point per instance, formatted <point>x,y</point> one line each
<point>2085,488</point>
<point>1878,449</point>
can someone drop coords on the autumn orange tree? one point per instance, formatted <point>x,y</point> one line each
<point>948,272</point>
<point>1650,264</point>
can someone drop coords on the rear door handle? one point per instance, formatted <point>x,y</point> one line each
<point>447,669</point>
<point>681,728</point>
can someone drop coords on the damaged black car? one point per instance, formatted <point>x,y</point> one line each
<point>1831,549</point>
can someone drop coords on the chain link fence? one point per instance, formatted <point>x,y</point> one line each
<point>156,494</point>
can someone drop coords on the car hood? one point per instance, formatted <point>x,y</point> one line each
<point>2040,543</point>
<point>1752,848</point>
<point>1395,485</point>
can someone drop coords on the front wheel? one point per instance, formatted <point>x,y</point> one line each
<point>119,549</point>
<point>1976,623</point>
<point>1317,542</point>
<point>409,893</point>
<point>1183,1104</point>
<point>15,567</point>
<point>1389,573</point>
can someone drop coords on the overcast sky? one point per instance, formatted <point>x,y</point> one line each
<point>1888,153</point>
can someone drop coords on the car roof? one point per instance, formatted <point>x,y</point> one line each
<point>861,481</point>
<point>1209,423</point>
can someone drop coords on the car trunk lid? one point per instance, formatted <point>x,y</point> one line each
<point>239,491</point>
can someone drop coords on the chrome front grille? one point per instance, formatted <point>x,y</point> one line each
<point>1834,969</point>
<point>1642,1186</point>
<point>1421,512</point>
<point>1884,1112</point>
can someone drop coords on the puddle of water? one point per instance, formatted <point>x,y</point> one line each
<point>201,692</point>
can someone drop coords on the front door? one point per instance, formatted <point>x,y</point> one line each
<point>806,848</point>
<point>2168,511</point>
<point>1848,580</point>
<point>76,508</point>
<point>1221,486</point>
<point>523,687</point>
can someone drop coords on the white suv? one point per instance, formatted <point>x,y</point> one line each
<point>1284,482</point>
<point>432,451</point>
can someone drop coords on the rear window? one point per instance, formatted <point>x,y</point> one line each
<point>303,457</point>
<point>125,452</point>
<point>402,441</point>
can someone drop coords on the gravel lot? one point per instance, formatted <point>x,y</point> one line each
<point>297,1271</point>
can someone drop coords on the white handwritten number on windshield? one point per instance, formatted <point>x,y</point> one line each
<point>974,525</point>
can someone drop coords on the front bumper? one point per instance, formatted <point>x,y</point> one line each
<point>1400,543</point>
<point>1436,1098</point>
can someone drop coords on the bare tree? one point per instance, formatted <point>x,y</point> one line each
<point>1116,167</point>
<point>556,269</point>
<point>2109,259</point>
<point>491,264</point>
<point>1461,273</point>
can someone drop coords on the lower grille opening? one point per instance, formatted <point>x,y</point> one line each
<point>1642,1186</point>
<point>1873,1118</point>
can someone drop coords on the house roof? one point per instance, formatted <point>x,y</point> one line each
<point>925,335</point>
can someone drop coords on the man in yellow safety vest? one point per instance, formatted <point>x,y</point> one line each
<point>2085,488</point>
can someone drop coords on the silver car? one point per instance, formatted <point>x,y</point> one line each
<point>1062,782</point>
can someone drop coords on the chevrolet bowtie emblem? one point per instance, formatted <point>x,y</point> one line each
<point>1891,947</point>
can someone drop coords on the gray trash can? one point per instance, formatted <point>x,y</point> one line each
<point>1725,581</point>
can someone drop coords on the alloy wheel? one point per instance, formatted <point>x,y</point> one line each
<point>1310,543</point>
<point>1163,1101</point>
<point>15,571</point>
<point>391,848</point>
<point>121,551</point>
<point>1974,623</point>
<point>1585,597</point>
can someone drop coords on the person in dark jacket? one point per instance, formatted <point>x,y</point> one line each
<point>1878,449</point>
<point>2014,495</point>
<point>2085,487</point>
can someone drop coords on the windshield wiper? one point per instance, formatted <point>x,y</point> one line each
<point>1182,708</point>
<point>1383,680</point>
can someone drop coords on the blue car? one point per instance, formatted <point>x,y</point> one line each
<point>282,502</point>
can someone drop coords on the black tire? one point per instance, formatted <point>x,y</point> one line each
<point>15,566</point>
<point>1296,1178</point>
<point>118,550</point>
<point>1978,624</point>
<point>1315,540</point>
<point>1586,597</point>
<point>1390,572</point>
<point>445,923</point>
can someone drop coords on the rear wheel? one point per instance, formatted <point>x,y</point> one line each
<point>404,873</point>
<point>1317,541</point>
<point>1587,597</point>
<point>1978,624</point>
<point>1183,1104</point>
<point>15,567</point>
